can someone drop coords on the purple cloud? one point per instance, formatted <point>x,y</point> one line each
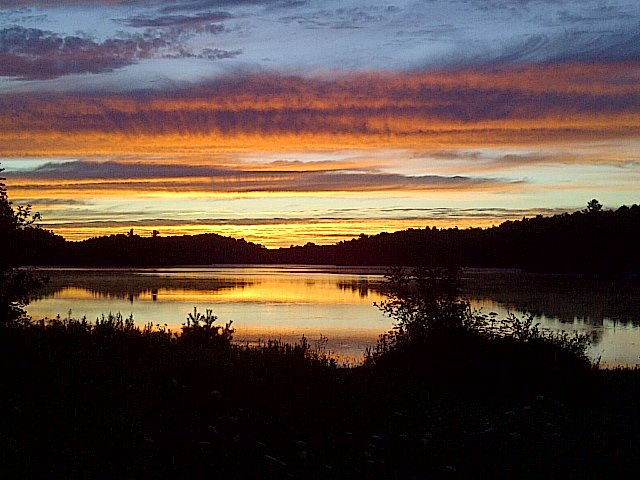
<point>30,53</point>
<point>34,54</point>
<point>220,179</point>
<point>176,21</point>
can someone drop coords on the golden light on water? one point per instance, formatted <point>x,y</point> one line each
<point>286,302</point>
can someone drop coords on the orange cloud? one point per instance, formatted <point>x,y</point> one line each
<point>528,104</point>
<point>135,179</point>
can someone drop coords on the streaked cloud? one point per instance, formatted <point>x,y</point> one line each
<point>576,45</point>
<point>114,176</point>
<point>505,104</point>
<point>174,21</point>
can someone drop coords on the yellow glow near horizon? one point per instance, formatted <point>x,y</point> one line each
<point>322,232</point>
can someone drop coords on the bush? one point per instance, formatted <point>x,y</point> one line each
<point>201,330</point>
<point>437,338</point>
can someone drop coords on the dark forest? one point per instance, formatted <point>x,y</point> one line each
<point>589,240</point>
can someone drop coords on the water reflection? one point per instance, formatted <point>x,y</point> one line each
<point>129,284</point>
<point>605,307</point>
<point>263,302</point>
<point>589,299</point>
<point>286,302</point>
<point>362,287</point>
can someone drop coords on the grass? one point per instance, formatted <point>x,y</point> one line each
<point>112,400</point>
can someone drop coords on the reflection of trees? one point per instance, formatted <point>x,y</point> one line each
<point>129,285</point>
<point>595,334</point>
<point>361,287</point>
<point>588,299</point>
<point>584,299</point>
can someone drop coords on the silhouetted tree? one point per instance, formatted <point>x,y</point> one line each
<point>593,206</point>
<point>438,339</point>
<point>423,301</point>
<point>15,285</point>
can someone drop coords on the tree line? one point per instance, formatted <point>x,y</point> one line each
<point>589,240</point>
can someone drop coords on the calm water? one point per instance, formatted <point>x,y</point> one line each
<point>289,301</point>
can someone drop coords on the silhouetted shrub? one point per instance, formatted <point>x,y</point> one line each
<point>201,330</point>
<point>437,338</point>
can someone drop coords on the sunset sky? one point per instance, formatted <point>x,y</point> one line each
<point>295,121</point>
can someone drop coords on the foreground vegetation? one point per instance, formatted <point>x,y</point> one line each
<point>447,394</point>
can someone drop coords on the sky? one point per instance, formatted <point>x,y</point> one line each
<point>292,121</point>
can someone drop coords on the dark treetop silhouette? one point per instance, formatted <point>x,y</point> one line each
<point>590,240</point>
<point>15,285</point>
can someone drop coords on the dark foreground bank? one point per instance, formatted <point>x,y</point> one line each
<point>115,401</point>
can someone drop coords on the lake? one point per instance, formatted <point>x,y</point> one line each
<point>336,304</point>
